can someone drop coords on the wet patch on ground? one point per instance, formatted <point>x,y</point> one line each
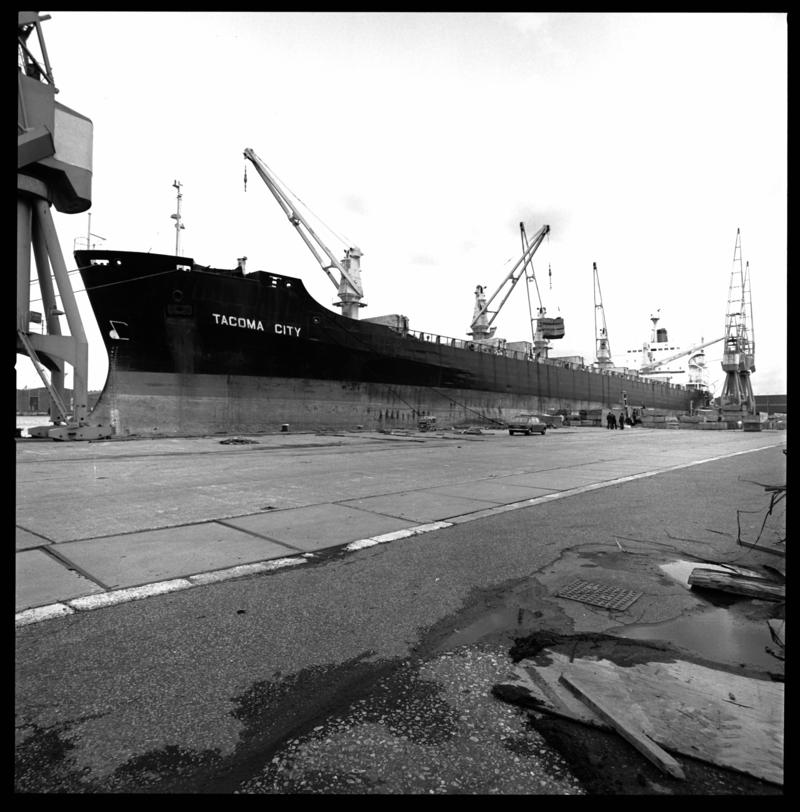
<point>43,765</point>
<point>430,727</point>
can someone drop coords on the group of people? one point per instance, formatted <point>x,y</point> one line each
<point>614,422</point>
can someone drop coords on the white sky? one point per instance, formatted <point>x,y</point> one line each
<point>643,140</point>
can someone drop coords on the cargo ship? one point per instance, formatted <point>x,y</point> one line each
<point>195,350</point>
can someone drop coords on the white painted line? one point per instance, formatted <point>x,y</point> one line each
<point>427,528</point>
<point>42,613</point>
<point>405,533</point>
<point>125,595</point>
<point>242,570</point>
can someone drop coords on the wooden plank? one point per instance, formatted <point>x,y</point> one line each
<point>761,549</point>
<point>779,569</point>
<point>777,628</point>
<point>628,730</point>
<point>737,584</point>
<point>716,716</point>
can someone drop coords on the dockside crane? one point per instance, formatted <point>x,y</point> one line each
<point>738,356</point>
<point>54,168</point>
<point>602,341</point>
<point>349,284</point>
<point>546,328</point>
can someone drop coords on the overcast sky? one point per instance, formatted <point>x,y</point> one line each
<point>643,140</point>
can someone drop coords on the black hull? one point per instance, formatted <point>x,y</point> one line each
<point>197,350</point>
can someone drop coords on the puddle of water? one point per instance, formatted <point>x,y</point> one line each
<point>717,634</point>
<point>501,620</point>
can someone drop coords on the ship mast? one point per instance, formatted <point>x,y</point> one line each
<point>177,218</point>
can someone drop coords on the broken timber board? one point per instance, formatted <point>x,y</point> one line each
<point>629,731</point>
<point>777,629</point>
<point>737,584</point>
<point>733,721</point>
<point>762,549</point>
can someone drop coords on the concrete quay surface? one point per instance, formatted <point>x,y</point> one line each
<point>112,521</point>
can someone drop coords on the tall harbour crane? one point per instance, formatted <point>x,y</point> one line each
<point>54,168</point>
<point>349,284</point>
<point>738,355</point>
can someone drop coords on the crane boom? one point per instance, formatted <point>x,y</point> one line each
<point>602,341</point>
<point>349,286</point>
<point>645,370</point>
<point>479,322</point>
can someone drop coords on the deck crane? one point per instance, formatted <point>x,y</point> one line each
<point>349,284</point>
<point>602,342</point>
<point>738,356</point>
<point>546,328</point>
<point>650,369</point>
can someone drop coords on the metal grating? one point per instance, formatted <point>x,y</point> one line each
<point>609,597</point>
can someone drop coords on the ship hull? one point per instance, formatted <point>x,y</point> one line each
<point>196,351</point>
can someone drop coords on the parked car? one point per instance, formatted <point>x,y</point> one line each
<point>525,423</point>
<point>552,421</point>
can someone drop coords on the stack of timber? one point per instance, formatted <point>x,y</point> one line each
<point>662,709</point>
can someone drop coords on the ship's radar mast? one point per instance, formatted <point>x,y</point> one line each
<point>179,226</point>
<point>738,356</point>
<point>349,284</point>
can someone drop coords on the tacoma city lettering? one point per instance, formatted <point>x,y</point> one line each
<point>238,321</point>
<point>287,330</point>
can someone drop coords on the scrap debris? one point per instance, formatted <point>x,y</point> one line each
<point>738,584</point>
<point>681,707</point>
<point>629,730</point>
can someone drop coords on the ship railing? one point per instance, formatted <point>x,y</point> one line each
<point>488,349</point>
<point>466,344</point>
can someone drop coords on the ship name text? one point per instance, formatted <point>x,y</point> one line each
<point>254,324</point>
<point>287,330</point>
<point>238,321</point>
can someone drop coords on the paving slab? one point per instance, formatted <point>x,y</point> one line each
<point>422,506</point>
<point>39,577</point>
<point>25,540</point>
<point>499,491</point>
<point>132,559</point>
<point>319,526</point>
<point>557,480</point>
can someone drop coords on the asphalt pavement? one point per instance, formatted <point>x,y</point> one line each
<point>329,613</point>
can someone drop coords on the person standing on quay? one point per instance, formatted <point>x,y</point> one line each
<point>611,421</point>
<point>621,420</point>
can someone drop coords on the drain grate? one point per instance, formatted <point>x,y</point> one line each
<point>609,597</point>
